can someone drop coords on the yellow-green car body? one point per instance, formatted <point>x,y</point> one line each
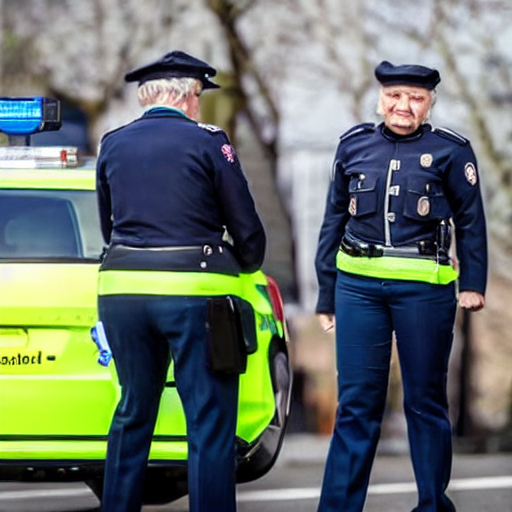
<point>56,400</point>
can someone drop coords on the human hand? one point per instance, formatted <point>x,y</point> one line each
<point>472,301</point>
<point>326,321</point>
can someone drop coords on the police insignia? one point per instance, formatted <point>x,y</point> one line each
<point>423,207</point>
<point>470,173</point>
<point>426,160</point>
<point>228,152</point>
<point>210,127</point>
<point>352,207</point>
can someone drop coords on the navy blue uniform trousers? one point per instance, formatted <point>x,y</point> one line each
<point>144,332</point>
<point>422,315</point>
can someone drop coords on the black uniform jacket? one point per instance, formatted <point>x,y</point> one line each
<point>165,181</point>
<point>394,190</point>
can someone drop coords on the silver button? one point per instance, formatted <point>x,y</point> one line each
<point>391,217</point>
<point>394,190</point>
<point>203,264</point>
<point>395,164</point>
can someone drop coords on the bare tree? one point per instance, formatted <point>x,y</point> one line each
<point>265,119</point>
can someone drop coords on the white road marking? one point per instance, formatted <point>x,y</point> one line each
<point>457,484</point>
<point>36,494</point>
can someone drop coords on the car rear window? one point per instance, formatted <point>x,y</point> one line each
<point>49,224</point>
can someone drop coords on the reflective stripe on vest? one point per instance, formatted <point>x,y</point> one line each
<point>154,282</point>
<point>390,267</point>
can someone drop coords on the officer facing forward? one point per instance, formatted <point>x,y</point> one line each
<point>383,265</point>
<point>169,189</point>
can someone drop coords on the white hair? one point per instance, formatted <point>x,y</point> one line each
<point>167,91</point>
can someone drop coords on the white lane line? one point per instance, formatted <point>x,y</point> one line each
<point>457,484</point>
<point>278,495</point>
<point>33,494</point>
<point>489,482</point>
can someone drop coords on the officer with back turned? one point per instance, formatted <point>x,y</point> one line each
<point>171,191</point>
<point>383,264</point>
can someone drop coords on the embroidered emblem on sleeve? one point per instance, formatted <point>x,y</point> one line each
<point>228,152</point>
<point>470,173</point>
<point>210,127</point>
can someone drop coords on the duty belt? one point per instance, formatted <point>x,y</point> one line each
<point>200,258</point>
<point>426,249</point>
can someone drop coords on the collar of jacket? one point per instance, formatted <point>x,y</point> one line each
<point>164,112</point>
<point>395,137</point>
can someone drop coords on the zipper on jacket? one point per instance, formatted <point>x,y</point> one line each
<point>394,165</point>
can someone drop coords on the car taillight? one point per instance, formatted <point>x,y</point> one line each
<point>275,299</point>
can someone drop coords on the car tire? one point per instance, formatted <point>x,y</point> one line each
<point>281,382</point>
<point>269,444</point>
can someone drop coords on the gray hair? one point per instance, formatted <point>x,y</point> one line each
<point>166,91</point>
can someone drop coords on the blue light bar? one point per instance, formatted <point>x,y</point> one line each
<point>24,116</point>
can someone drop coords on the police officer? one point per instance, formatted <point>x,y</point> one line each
<point>383,265</point>
<point>181,225</point>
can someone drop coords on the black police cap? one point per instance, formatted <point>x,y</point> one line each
<point>176,64</point>
<point>407,74</point>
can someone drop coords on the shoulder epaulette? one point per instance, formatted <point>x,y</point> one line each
<point>358,129</point>
<point>210,127</point>
<point>450,135</point>
<point>114,130</point>
<point>110,132</point>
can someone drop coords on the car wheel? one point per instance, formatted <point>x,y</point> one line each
<point>281,381</point>
<point>258,459</point>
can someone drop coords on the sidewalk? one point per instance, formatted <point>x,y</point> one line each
<point>313,448</point>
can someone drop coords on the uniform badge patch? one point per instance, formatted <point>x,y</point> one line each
<point>352,206</point>
<point>423,207</point>
<point>470,173</point>
<point>210,127</point>
<point>228,152</point>
<point>426,160</point>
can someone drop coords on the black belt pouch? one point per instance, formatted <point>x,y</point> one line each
<point>226,344</point>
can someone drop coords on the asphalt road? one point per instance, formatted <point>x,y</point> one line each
<point>480,483</point>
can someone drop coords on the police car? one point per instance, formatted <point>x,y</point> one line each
<point>58,387</point>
